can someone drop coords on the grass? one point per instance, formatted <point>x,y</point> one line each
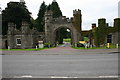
<point>86,39</point>
<point>89,48</point>
<point>67,40</point>
<point>33,49</point>
<point>104,47</point>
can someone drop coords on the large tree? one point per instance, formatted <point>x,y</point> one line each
<point>55,9</point>
<point>15,12</point>
<point>39,23</point>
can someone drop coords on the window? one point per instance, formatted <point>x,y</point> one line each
<point>18,41</point>
<point>109,38</point>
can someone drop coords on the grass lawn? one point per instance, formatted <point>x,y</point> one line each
<point>67,40</point>
<point>86,39</point>
<point>25,49</point>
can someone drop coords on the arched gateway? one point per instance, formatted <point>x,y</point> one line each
<point>54,24</point>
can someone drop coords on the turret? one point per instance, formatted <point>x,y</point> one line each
<point>102,22</point>
<point>48,16</point>
<point>117,23</point>
<point>77,20</point>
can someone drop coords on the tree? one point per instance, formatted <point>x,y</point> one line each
<point>56,10</point>
<point>15,12</point>
<point>39,23</point>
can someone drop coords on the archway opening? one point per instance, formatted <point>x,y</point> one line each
<point>63,37</point>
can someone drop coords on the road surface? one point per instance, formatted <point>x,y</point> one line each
<point>60,62</point>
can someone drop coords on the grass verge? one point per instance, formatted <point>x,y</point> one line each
<point>33,49</point>
<point>104,47</point>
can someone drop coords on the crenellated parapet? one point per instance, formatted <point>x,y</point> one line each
<point>77,11</point>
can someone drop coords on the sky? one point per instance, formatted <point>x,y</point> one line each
<point>91,10</point>
<point>119,9</point>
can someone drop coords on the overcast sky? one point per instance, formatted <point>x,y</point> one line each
<point>92,10</point>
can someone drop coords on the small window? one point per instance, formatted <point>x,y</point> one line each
<point>109,38</point>
<point>18,40</point>
<point>47,18</point>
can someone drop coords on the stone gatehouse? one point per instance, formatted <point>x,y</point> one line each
<point>29,38</point>
<point>52,25</point>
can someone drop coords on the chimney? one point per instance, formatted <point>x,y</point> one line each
<point>93,25</point>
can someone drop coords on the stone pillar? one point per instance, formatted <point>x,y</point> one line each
<point>48,19</point>
<point>10,36</point>
<point>26,39</point>
<point>76,36</point>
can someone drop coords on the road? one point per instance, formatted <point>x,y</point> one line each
<point>60,62</point>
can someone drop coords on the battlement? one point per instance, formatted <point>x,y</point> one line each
<point>77,11</point>
<point>62,19</point>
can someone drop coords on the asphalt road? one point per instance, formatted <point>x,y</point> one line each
<point>57,62</point>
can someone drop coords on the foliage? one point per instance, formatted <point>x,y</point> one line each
<point>54,7</point>
<point>100,32</point>
<point>67,40</point>
<point>15,12</point>
<point>112,46</point>
<point>95,36</point>
<point>48,45</point>
<point>86,39</point>
<point>56,10</point>
<point>62,34</point>
<point>39,22</point>
<point>117,24</point>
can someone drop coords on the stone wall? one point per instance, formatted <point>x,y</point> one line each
<point>116,38</point>
<point>23,38</point>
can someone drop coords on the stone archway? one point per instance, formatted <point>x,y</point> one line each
<point>52,24</point>
<point>55,36</point>
<point>50,33</point>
